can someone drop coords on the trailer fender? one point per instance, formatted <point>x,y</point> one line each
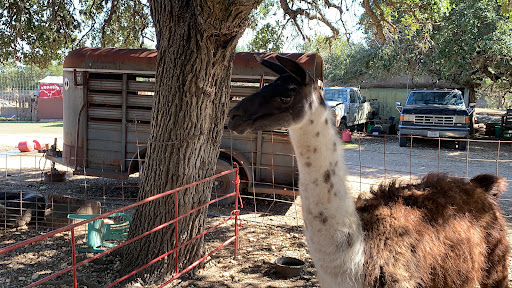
<point>137,161</point>
<point>233,156</point>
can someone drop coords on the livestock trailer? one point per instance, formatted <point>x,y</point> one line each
<point>107,99</point>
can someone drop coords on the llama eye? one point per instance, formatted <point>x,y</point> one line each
<point>285,100</point>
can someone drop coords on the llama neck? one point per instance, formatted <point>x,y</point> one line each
<point>322,170</point>
<point>332,226</point>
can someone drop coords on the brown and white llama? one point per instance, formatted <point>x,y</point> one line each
<point>441,232</point>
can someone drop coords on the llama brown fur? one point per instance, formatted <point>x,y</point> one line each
<point>441,232</point>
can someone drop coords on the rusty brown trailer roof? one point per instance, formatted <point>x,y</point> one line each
<point>145,60</point>
<point>111,59</point>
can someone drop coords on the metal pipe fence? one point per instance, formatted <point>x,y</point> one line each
<point>71,228</point>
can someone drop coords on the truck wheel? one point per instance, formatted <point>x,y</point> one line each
<point>402,141</point>
<point>463,145</point>
<point>343,125</point>
<point>224,184</point>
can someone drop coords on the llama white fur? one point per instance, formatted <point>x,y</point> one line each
<point>332,226</point>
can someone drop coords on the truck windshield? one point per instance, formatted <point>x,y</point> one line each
<point>339,95</point>
<point>435,98</point>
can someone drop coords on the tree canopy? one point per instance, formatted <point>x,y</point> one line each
<point>37,32</point>
<point>466,42</point>
<point>42,31</point>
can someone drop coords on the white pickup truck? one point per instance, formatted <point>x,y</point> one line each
<point>350,109</point>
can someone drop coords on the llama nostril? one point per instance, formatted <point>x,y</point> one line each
<point>234,113</point>
<point>233,117</point>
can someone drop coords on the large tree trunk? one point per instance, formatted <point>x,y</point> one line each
<point>196,43</point>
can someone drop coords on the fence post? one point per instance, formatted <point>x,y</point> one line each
<point>176,233</point>
<point>237,211</point>
<point>73,254</point>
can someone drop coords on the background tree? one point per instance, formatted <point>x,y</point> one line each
<point>27,36</point>
<point>116,23</point>
<point>37,32</point>
<point>25,77</point>
<point>464,42</point>
<point>267,29</point>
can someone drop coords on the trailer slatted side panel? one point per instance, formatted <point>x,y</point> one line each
<point>119,112</point>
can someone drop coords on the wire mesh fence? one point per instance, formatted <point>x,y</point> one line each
<point>370,160</point>
<point>18,96</point>
<point>271,215</point>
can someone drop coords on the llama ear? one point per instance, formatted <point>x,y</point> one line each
<point>294,68</point>
<point>493,185</point>
<point>276,67</point>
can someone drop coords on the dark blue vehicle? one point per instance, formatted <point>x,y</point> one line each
<point>435,114</point>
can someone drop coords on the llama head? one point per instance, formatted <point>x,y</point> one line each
<point>280,104</point>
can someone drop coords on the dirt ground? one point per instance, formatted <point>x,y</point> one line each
<point>270,228</point>
<point>260,246</point>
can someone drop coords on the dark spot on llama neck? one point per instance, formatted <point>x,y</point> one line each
<point>317,134</point>
<point>335,147</point>
<point>331,186</point>
<point>327,176</point>
<point>326,121</point>
<point>322,218</point>
<point>308,164</point>
<point>314,150</point>
<point>346,242</point>
<point>311,121</point>
<point>349,240</point>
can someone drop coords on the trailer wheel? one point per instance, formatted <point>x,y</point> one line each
<point>224,184</point>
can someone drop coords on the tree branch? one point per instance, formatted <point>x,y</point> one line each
<point>304,36</point>
<point>282,30</point>
<point>329,4</point>
<point>293,13</point>
<point>394,4</point>
<point>379,28</point>
<point>107,21</point>
<point>383,16</point>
